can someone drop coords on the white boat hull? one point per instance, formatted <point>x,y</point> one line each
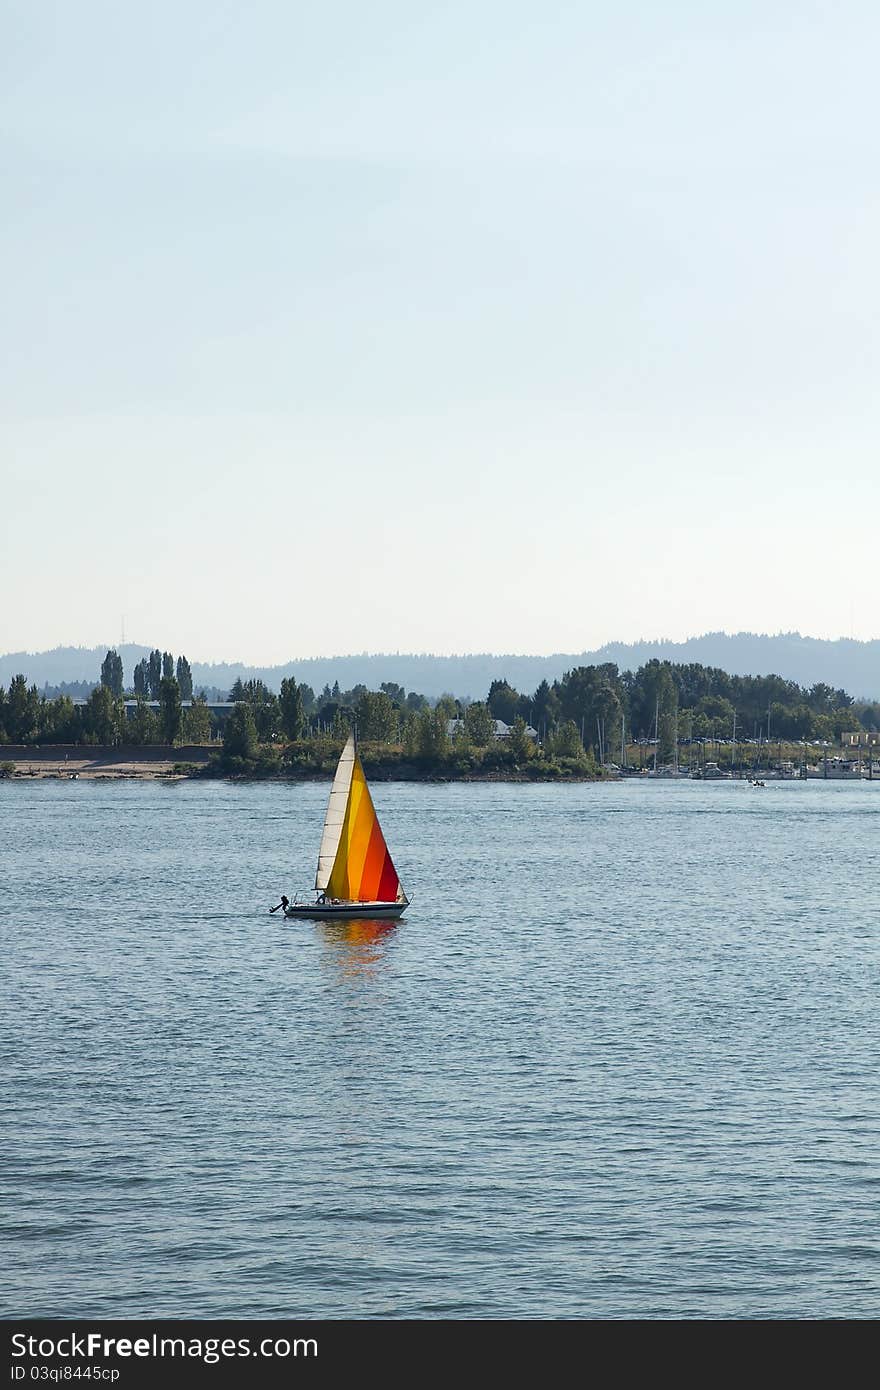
<point>336,912</point>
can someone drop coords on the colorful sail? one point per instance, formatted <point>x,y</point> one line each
<point>353,862</point>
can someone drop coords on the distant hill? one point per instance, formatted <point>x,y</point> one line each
<point>842,663</point>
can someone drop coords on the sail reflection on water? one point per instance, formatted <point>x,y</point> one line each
<point>358,946</point>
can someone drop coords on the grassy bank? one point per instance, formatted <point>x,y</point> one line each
<point>317,758</point>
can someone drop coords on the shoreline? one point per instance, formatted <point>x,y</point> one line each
<point>167,770</point>
<point>194,763</point>
<point>66,762</point>
<point>200,763</point>
<point>40,771</point>
<point>170,770</point>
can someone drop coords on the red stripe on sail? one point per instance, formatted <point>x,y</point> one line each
<point>374,864</point>
<point>389,882</point>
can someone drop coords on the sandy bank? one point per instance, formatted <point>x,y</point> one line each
<point>70,762</point>
<point>72,771</point>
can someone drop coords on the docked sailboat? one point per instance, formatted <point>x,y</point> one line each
<point>356,876</point>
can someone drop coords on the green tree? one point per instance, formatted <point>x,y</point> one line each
<point>869,715</point>
<point>111,672</point>
<point>143,726</point>
<point>326,716</point>
<point>167,666</point>
<point>699,725</point>
<point>823,727</point>
<point>823,698</point>
<point>341,726</point>
<point>376,717</point>
<point>170,711</point>
<point>59,721</point>
<point>593,697</point>
<point>184,678</point>
<point>566,742</point>
<point>432,734</point>
<point>142,680</point>
<point>102,717</point>
<point>845,720</point>
<point>291,710</point>
<point>719,712</point>
<point>395,692</point>
<point>409,732</point>
<point>519,743</point>
<point>154,674</point>
<point>266,718</point>
<point>791,722</point>
<point>240,734</point>
<point>480,724</point>
<point>21,710</point>
<point>196,722</point>
<point>264,706</point>
<point>252,692</point>
<point>461,739</point>
<point>667,707</point>
<point>545,708</point>
<point>503,701</point>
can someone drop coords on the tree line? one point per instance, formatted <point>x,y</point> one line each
<point>591,711</point>
<point>27,716</point>
<point>669,702</point>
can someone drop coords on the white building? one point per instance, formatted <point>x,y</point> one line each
<point>502,730</point>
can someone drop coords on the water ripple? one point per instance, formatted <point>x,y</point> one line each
<point>620,1059</point>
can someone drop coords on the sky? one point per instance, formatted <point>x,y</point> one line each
<point>486,326</point>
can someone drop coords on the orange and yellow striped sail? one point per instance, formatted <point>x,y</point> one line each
<point>353,863</point>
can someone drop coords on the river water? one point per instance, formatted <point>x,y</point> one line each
<point>620,1059</point>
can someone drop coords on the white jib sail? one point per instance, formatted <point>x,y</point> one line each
<point>336,808</point>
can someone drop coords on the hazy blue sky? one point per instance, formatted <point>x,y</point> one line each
<point>482,326</point>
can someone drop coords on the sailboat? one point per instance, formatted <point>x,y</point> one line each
<point>356,876</point>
